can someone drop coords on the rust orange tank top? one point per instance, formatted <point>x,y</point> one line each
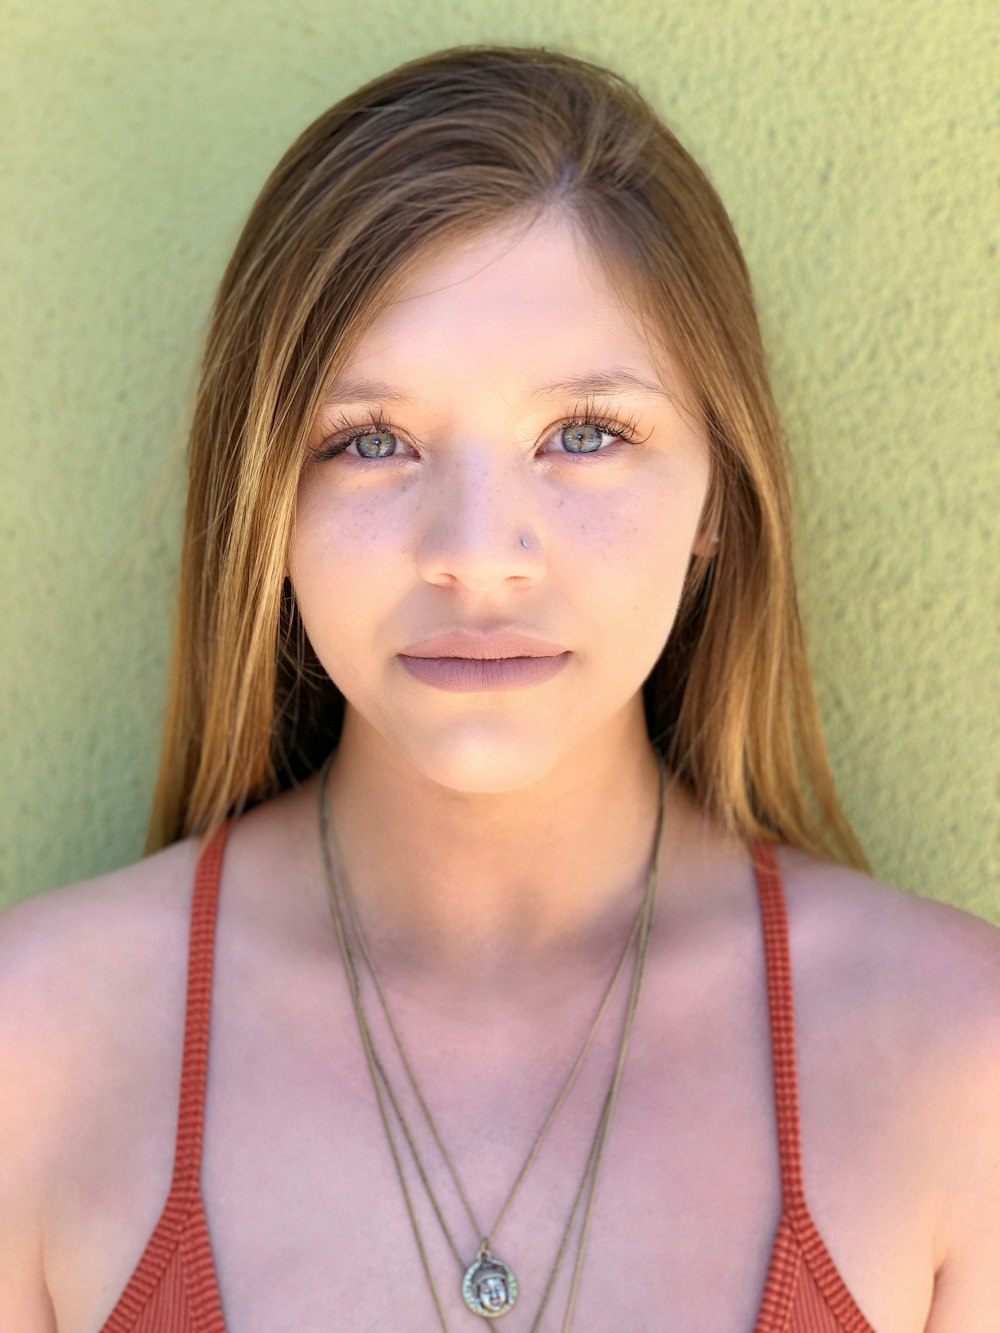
<point>174,1290</point>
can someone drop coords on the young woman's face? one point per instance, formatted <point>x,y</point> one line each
<point>487,405</point>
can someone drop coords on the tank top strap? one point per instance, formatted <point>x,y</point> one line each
<point>774,919</point>
<point>197,1015</point>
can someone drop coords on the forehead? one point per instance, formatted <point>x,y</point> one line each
<point>523,304</point>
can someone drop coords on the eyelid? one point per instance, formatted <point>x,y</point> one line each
<point>622,426</point>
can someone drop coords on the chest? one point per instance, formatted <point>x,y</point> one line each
<point>689,1176</point>
<point>308,1221</point>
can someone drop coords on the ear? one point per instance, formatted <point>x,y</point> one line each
<point>706,541</point>
<point>707,537</point>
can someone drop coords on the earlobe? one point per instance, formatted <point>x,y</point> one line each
<point>706,546</point>
<point>706,542</point>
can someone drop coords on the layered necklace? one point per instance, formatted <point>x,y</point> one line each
<point>489,1285</point>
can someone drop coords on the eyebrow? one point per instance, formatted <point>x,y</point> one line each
<point>606,381</point>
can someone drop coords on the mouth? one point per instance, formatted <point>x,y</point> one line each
<point>499,643</point>
<point>484,674</point>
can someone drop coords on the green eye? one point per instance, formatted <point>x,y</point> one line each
<point>375,444</point>
<point>579,436</point>
<point>582,437</point>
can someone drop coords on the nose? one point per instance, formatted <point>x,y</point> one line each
<point>479,527</point>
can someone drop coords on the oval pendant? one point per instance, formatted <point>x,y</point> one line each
<point>490,1288</point>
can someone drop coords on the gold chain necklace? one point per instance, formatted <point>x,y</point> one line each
<point>489,1286</point>
<point>571,1077</point>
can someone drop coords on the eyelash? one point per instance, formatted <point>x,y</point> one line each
<point>624,430</point>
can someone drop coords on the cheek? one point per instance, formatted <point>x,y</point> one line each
<point>615,556</point>
<point>638,554</point>
<point>337,560</point>
<point>334,531</point>
<point>651,520</point>
<point>644,570</point>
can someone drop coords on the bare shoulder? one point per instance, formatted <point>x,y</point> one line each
<point>56,948</point>
<point>79,967</point>
<point>82,965</point>
<point>99,966</point>
<point>940,963</point>
<point>909,989</point>
<point>75,959</point>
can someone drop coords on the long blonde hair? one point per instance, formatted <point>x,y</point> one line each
<point>437,148</point>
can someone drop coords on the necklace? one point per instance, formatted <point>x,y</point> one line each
<point>564,1092</point>
<point>489,1285</point>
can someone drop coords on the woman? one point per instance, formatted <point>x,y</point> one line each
<point>494,833</point>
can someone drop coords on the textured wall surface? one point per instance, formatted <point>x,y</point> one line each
<point>849,142</point>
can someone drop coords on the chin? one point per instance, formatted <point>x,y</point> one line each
<point>483,758</point>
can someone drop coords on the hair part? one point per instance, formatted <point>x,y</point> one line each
<point>444,146</point>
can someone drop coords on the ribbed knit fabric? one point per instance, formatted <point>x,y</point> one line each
<point>804,1292</point>
<point>174,1290</point>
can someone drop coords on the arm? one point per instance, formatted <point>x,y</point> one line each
<point>29,1079</point>
<point>967,1281</point>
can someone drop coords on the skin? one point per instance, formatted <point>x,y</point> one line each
<point>497,846</point>
<point>512,813</point>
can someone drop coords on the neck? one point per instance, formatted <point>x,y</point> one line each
<point>479,889</point>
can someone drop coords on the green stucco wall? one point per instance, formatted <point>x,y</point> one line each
<point>850,143</point>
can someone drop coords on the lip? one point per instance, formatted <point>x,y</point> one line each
<point>461,675</point>
<point>492,644</point>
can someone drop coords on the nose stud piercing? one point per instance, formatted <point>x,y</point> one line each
<point>524,541</point>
